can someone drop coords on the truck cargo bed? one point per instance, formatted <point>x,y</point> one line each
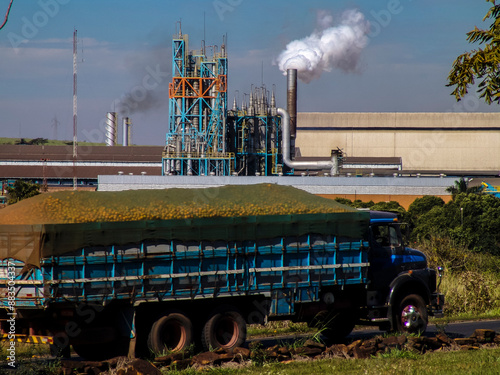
<point>295,267</point>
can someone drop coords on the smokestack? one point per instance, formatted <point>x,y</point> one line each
<point>126,131</point>
<point>291,101</point>
<point>111,126</point>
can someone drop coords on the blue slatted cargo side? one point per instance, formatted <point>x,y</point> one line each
<point>289,270</point>
<point>28,285</point>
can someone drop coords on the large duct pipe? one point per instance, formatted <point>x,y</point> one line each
<point>301,165</point>
<point>291,100</point>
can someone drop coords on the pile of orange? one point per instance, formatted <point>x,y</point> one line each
<point>133,205</point>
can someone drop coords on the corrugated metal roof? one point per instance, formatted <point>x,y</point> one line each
<point>105,154</point>
<point>37,172</point>
<point>100,153</point>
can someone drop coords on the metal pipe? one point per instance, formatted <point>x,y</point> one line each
<point>301,165</point>
<point>125,131</point>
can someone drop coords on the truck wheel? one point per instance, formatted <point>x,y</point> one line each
<point>172,332</point>
<point>225,329</point>
<point>411,315</point>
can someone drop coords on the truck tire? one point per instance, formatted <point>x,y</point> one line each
<point>225,329</point>
<point>411,314</point>
<point>172,332</point>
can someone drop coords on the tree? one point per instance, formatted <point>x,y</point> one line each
<point>424,204</point>
<point>462,186</point>
<point>482,63</point>
<point>21,190</point>
<point>39,141</point>
<point>469,220</point>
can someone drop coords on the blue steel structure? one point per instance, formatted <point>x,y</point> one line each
<point>196,139</point>
<point>204,138</point>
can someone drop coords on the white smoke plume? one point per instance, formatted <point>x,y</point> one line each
<point>327,48</point>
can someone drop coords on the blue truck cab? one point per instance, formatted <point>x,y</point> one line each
<point>402,290</point>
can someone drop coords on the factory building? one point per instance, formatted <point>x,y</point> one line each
<point>427,143</point>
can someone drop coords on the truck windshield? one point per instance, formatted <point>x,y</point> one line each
<point>386,235</point>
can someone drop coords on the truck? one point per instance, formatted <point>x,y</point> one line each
<point>142,287</point>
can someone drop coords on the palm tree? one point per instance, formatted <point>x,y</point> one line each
<point>462,186</point>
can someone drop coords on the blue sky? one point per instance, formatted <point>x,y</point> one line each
<point>125,44</point>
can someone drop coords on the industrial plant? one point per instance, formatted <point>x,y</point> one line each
<point>255,141</point>
<point>206,138</point>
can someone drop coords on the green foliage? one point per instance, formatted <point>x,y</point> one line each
<point>482,63</point>
<point>21,190</point>
<point>423,205</point>
<point>420,207</point>
<point>470,220</point>
<point>34,141</point>
<point>392,206</point>
<point>345,201</point>
<point>259,356</point>
<point>462,186</point>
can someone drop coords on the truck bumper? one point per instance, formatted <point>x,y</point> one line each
<point>436,305</point>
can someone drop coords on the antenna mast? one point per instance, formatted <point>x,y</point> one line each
<point>75,182</point>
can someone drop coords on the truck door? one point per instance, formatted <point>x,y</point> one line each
<point>385,244</point>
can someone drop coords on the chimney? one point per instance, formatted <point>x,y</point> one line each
<point>291,101</point>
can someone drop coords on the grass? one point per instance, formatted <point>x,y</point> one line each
<point>482,362</point>
<point>30,359</point>
<point>26,351</point>
<point>279,327</point>
<point>471,281</point>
